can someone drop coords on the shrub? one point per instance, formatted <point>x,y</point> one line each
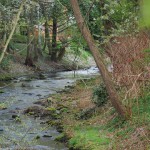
<point>19,38</point>
<point>5,64</point>
<point>100,95</point>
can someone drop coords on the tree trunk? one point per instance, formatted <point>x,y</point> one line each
<point>54,41</point>
<point>13,30</point>
<point>44,47</point>
<point>29,61</point>
<point>98,59</point>
<point>36,55</point>
<point>4,35</point>
<point>61,53</point>
<point>47,38</point>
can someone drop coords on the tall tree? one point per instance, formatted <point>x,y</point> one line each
<point>30,47</point>
<point>13,30</point>
<point>54,41</point>
<point>98,59</point>
<point>56,13</point>
<point>47,38</point>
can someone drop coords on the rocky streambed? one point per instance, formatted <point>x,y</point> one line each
<point>18,129</point>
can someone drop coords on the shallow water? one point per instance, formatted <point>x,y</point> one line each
<point>22,93</point>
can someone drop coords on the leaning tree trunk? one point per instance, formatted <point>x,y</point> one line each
<point>13,30</point>
<point>98,59</point>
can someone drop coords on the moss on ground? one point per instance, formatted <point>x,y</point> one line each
<point>6,77</point>
<point>2,106</point>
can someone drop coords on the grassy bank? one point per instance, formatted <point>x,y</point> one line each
<point>102,128</point>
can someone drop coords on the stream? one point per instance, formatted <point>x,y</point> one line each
<point>22,93</point>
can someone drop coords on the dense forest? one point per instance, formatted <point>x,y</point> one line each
<point>75,74</point>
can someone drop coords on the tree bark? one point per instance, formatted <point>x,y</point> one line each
<point>61,53</point>
<point>115,100</point>
<point>36,54</point>
<point>30,47</point>
<point>13,30</point>
<point>47,38</point>
<point>54,41</point>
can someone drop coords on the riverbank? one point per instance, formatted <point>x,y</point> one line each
<point>87,127</point>
<point>82,125</point>
<point>14,66</point>
<point>20,97</point>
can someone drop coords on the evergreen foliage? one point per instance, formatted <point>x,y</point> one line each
<point>100,95</point>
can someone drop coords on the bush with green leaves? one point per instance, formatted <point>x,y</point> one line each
<point>17,38</point>
<point>100,95</point>
<point>5,63</point>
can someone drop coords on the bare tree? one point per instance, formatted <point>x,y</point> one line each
<point>115,100</point>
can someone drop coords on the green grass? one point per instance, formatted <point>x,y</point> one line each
<point>115,124</point>
<point>140,117</point>
<point>6,77</point>
<point>95,138</point>
<point>112,133</point>
<point>141,110</point>
<point>125,132</point>
<point>92,138</point>
<point>86,83</point>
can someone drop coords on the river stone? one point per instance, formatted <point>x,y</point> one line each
<point>20,100</point>
<point>23,85</point>
<point>32,133</point>
<point>38,86</point>
<point>15,116</point>
<point>40,147</point>
<point>47,136</point>
<point>43,122</point>
<point>1,129</point>
<point>41,76</point>
<point>37,147</point>
<point>1,91</point>
<point>42,102</point>
<point>12,111</point>
<point>3,108</point>
<point>39,111</point>
<point>17,108</point>
<point>28,93</point>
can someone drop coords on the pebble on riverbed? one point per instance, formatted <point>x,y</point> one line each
<point>2,106</point>
<point>1,91</point>
<point>14,116</point>
<point>1,129</point>
<point>47,136</point>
